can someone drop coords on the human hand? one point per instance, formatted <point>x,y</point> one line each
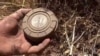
<point>12,39</point>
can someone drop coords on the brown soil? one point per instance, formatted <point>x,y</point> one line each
<point>79,25</point>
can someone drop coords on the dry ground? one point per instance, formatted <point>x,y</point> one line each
<point>78,33</point>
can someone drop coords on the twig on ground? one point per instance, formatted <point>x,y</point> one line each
<point>67,38</point>
<point>95,38</point>
<point>79,37</point>
<point>74,12</point>
<point>93,49</point>
<point>73,37</point>
<point>23,4</point>
<point>98,34</point>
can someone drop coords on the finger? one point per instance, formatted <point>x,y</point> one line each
<point>24,48</point>
<point>35,49</point>
<point>22,45</point>
<point>18,14</point>
<point>10,21</point>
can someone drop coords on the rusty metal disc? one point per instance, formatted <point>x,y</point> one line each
<point>39,22</point>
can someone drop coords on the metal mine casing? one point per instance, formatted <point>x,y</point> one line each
<point>39,23</point>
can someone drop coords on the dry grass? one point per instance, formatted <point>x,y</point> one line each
<point>79,25</point>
